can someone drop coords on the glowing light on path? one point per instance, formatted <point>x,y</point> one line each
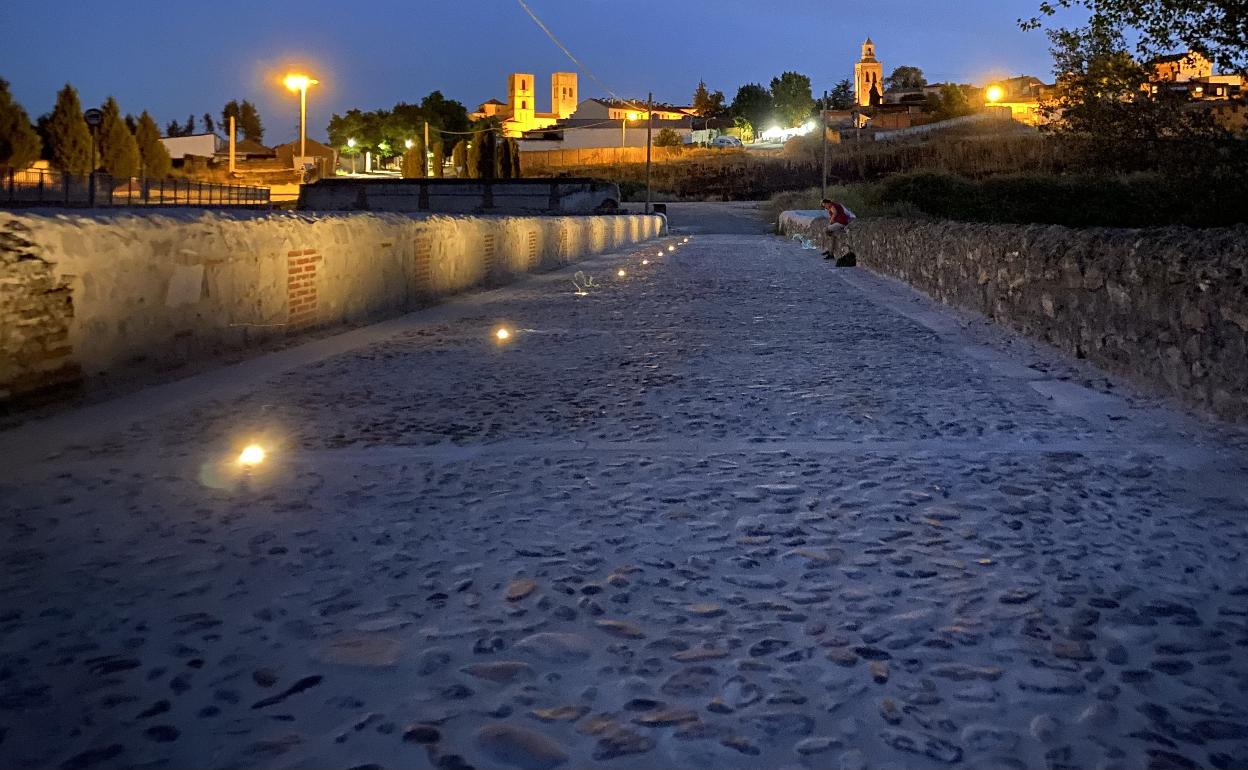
<point>502,334</point>
<point>621,273</point>
<point>252,455</point>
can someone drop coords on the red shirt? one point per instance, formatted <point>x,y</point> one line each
<point>836,212</point>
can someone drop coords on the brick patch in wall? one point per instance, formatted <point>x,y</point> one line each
<point>489,252</point>
<point>302,269</point>
<point>531,245</point>
<point>422,267</point>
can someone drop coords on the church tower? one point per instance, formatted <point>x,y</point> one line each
<point>868,77</point>
<point>563,95</point>
<point>520,99</point>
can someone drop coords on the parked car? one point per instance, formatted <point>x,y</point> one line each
<point>726,141</point>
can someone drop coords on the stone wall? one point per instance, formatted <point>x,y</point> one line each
<point>89,295</point>
<point>36,310</point>
<point>1168,308</point>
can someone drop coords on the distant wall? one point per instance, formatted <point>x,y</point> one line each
<point>1166,307</point>
<point>88,295</point>
<point>459,196</point>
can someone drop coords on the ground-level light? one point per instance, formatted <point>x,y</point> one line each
<point>502,334</point>
<point>252,455</point>
<point>671,248</point>
<point>645,261</point>
<point>621,273</point>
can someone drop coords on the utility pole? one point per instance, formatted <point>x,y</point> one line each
<point>428,162</point>
<point>649,143</point>
<point>232,144</point>
<point>823,128</point>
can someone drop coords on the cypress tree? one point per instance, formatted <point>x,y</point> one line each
<point>459,158</point>
<point>487,155</point>
<point>515,159</point>
<point>118,153</point>
<point>69,137</point>
<point>414,160</point>
<point>188,128</point>
<point>152,153</point>
<point>472,158</point>
<point>502,168</point>
<point>249,122</point>
<point>19,142</point>
<point>439,159</point>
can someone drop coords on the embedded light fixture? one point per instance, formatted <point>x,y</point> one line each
<point>621,273</point>
<point>502,335</point>
<point>252,455</point>
<point>645,261</point>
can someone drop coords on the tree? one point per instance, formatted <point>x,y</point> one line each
<point>248,121</point>
<point>487,159</point>
<point>69,138</point>
<point>414,160</point>
<point>503,167</point>
<point>952,102</point>
<point>439,158</point>
<point>472,157</point>
<point>792,99</point>
<point>132,122</point>
<point>1099,93</point>
<point>1216,28</point>
<point>707,103</point>
<point>173,128</point>
<point>20,144</point>
<point>667,138</point>
<point>842,96</point>
<point>209,126</point>
<point>444,114</point>
<point>753,104</point>
<point>459,159</point>
<point>119,154</point>
<point>905,78</point>
<point>153,156</point>
<point>188,128</point>
<point>515,159</point>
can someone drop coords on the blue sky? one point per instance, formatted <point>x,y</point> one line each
<point>174,57</point>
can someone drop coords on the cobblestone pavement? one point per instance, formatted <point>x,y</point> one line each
<point>735,508</point>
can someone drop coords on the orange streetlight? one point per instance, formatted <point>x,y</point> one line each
<point>994,94</point>
<point>300,83</point>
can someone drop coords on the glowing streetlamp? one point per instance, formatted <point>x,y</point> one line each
<point>994,94</point>
<point>351,146</point>
<point>300,83</point>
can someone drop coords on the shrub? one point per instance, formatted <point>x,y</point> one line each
<point>667,138</point>
<point>1138,200</point>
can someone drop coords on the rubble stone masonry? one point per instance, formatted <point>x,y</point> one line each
<point>1166,307</point>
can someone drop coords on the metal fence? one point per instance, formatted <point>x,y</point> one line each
<point>37,187</point>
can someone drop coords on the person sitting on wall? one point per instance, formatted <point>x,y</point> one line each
<point>839,220</point>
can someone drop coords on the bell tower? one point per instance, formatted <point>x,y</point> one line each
<point>563,96</point>
<point>520,98</point>
<point>868,77</point>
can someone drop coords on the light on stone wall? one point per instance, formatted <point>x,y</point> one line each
<point>685,240</point>
<point>645,261</point>
<point>251,456</point>
<point>671,248</point>
<point>620,273</point>
<point>502,334</point>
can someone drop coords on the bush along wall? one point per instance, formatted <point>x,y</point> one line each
<point>1215,199</point>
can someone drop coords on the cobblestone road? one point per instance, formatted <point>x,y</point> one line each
<point>734,508</point>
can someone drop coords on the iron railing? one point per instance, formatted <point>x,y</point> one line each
<point>37,187</point>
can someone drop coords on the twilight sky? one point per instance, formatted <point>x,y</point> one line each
<point>175,57</point>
